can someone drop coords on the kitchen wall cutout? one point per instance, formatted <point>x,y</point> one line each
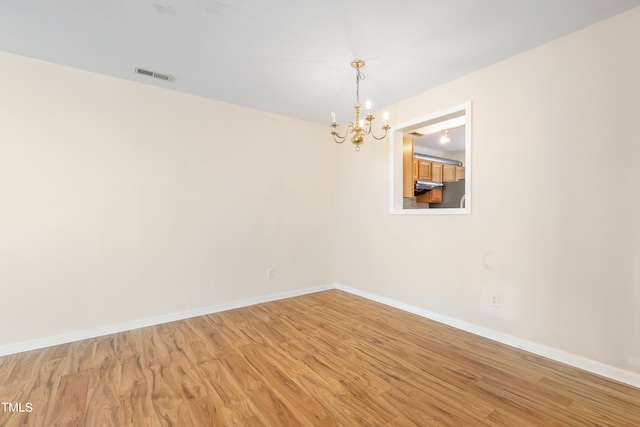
<point>430,163</point>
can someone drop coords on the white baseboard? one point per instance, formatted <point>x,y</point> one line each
<point>593,366</point>
<point>142,323</point>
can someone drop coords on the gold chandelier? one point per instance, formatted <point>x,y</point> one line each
<point>359,127</point>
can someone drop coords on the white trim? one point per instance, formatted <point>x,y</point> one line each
<point>580,362</point>
<point>593,366</point>
<point>151,321</point>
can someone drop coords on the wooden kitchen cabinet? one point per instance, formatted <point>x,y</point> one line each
<point>424,170</point>
<point>409,170</point>
<point>427,170</point>
<point>436,172</point>
<point>433,196</point>
<point>449,173</point>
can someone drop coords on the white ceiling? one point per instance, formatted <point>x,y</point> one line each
<point>431,141</point>
<point>291,56</point>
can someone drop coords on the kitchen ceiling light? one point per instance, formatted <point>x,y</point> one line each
<point>359,127</point>
<point>445,138</point>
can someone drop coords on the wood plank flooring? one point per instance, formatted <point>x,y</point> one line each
<point>326,359</point>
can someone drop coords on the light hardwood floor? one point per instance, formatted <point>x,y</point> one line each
<point>326,359</point>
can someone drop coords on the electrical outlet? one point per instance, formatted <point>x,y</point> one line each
<point>494,300</point>
<point>270,273</point>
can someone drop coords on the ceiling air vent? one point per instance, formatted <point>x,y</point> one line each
<point>161,76</point>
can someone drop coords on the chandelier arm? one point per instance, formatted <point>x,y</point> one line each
<point>385,128</point>
<point>368,122</point>
<point>339,139</point>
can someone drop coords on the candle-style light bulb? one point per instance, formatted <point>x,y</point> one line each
<point>368,105</point>
<point>333,117</point>
<point>385,116</point>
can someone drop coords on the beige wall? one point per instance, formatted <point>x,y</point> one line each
<point>121,201</point>
<point>543,232</point>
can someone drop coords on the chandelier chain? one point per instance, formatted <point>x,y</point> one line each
<point>359,76</point>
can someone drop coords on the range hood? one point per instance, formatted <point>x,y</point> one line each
<point>427,185</point>
<point>424,186</point>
